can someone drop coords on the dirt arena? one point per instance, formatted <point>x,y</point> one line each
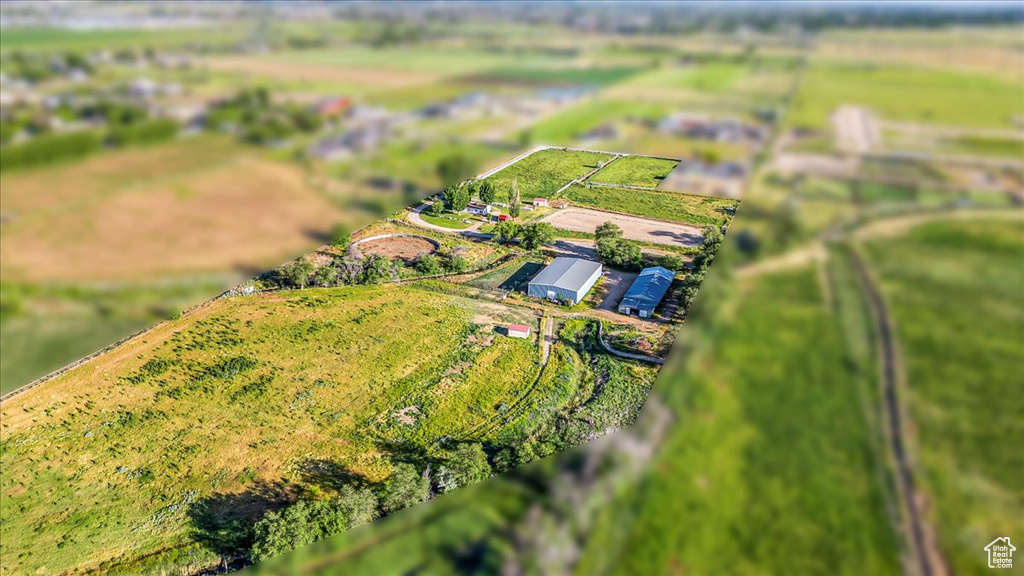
<point>407,248</point>
<point>633,227</point>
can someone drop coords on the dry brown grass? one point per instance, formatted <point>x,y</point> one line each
<point>188,207</point>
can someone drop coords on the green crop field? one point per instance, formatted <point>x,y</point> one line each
<point>434,59</point>
<point>673,206</point>
<point>906,94</point>
<point>954,292</point>
<point>566,127</point>
<point>635,171</point>
<point>544,172</point>
<point>594,76</point>
<point>710,77</point>
<point>771,459</point>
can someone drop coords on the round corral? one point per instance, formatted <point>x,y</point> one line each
<point>407,247</point>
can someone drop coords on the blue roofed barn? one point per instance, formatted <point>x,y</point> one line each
<point>646,292</point>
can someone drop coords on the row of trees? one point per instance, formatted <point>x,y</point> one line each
<point>259,121</point>
<point>372,269</point>
<point>691,283</point>
<point>314,517</point>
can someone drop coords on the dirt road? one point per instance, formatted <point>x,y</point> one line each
<point>634,228</point>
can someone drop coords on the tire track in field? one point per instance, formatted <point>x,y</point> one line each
<point>919,536</point>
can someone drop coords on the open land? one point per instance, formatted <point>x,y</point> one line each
<point>642,229</point>
<point>123,217</point>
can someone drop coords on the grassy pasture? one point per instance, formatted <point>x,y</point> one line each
<point>635,171</point>
<point>673,206</point>
<point>544,172</point>
<point>564,128</point>
<point>901,93</point>
<point>954,292</point>
<point>198,205</point>
<point>27,39</point>
<point>235,394</point>
<point>548,76</point>
<point>736,480</point>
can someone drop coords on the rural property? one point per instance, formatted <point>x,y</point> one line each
<point>490,317</point>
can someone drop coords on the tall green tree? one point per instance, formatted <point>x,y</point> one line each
<point>465,465</point>
<point>515,203</point>
<point>297,272</point>
<point>298,525</point>
<point>405,487</point>
<point>537,235</point>
<point>486,192</point>
<point>506,231</point>
<point>456,198</point>
<point>376,269</point>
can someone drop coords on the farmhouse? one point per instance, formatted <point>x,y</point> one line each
<point>480,209</point>
<point>518,331</point>
<point>540,201</point>
<point>646,291</point>
<point>565,279</point>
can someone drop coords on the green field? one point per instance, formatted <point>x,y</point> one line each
<point>421,58</point>
<point>635,171</point>
<point>546,76</point>
<point>566,127</point>
<point>450,221</point>
<point>920,95</point>
<point>673,206</point>
<point>954,292</point>
<point>542,173</point>
<point>771,459</point>
<point>710,77</point>
<point>169,417</point>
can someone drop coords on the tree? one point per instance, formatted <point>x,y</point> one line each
<point>454,169</point>
<point>537,235</point>
<point>619,253</point>
<point>506,231</point>
<point>709,248</point>
<point>608,230</point>
<point>465,465</point>
<point>486,192</point>
<point>405,487</point>
<point>453,262</point>
<point>376,269</point>
<point>456,198</point>
<point>515,204</point>
<point>325,276</point>
<point>671,262</point>
<point>302,523</point>
<point>436,207</point>
<point>525,137</point>
<point>358,504</point>
<point>428,264</point>
<point>297,272</point>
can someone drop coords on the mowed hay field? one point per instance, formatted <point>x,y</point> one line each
<point>771,465</point>
<point>107,460</point>
<point>117,216</point>
<point>544,172</point>
<point>954,291</point>
<point>689,208</point>
<point>635,171</point>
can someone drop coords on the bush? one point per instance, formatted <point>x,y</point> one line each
<point>405,487</point>
<point>428,264</point>
<point>466,465</point>
<point>537,235</point>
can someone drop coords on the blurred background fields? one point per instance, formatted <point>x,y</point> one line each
<point>155,154</point>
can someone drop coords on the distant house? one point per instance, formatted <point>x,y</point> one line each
<point>332,107</point>
<point>721,179</point>
<point>540,202</point>
<point>646,292</point>
<point>479,209</point>
<point>518,331</point>
<point>565,279</point>
<point>603,132</point>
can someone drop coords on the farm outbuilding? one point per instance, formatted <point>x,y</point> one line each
<point>518,331</point>
<point>565,279</point>
<point>646,291</point>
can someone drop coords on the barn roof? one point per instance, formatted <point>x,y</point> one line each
<point>567,273</point>
<point>648,289</point>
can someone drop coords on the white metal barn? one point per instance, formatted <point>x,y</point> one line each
<point>565,279</point>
